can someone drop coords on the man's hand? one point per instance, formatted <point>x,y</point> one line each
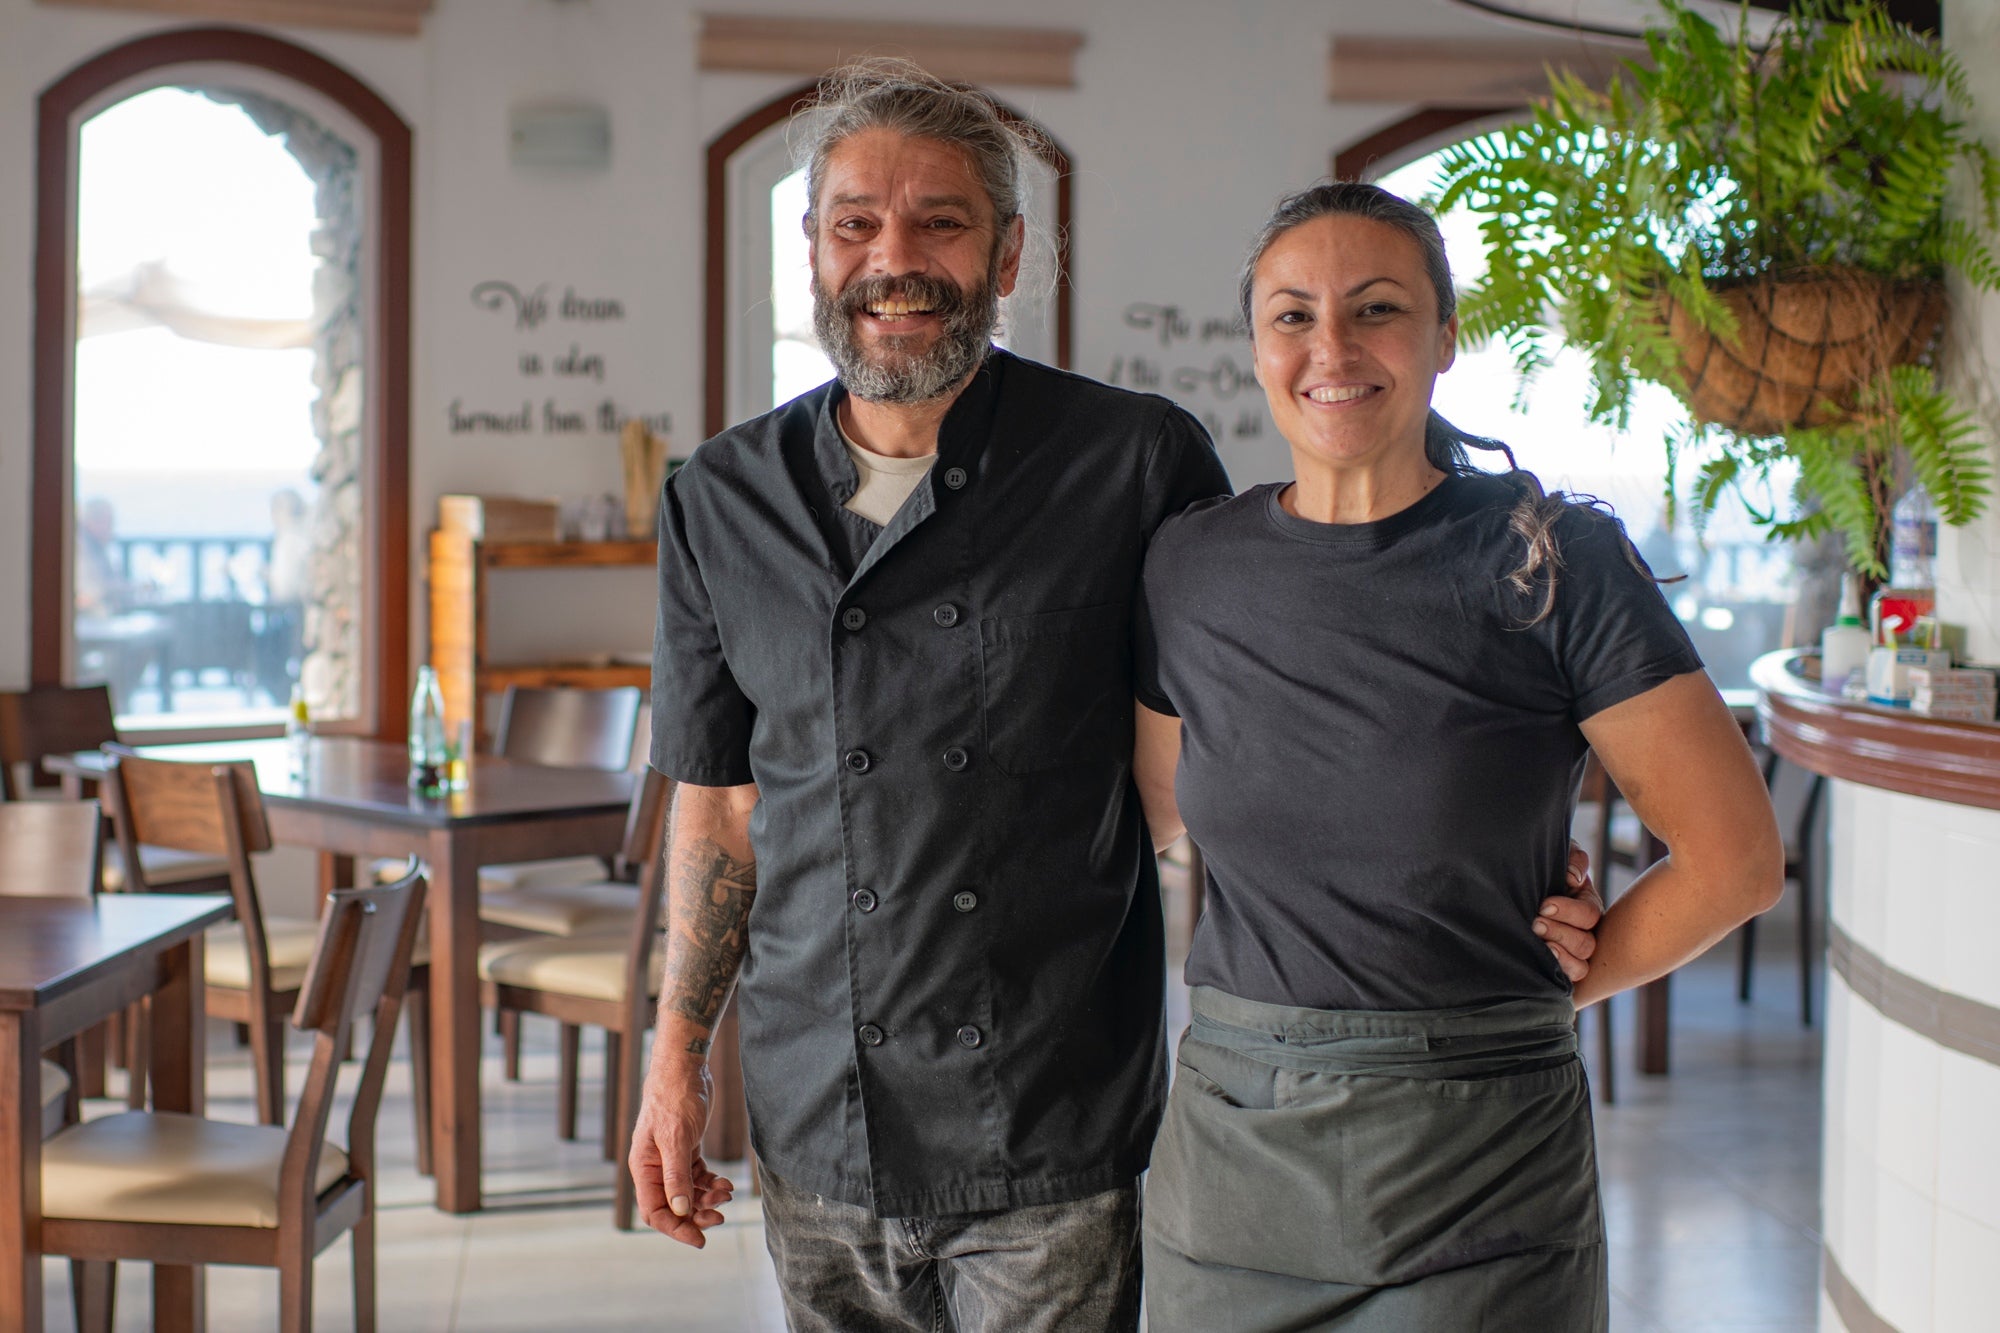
<point>678,1195</point>
<point>1567,921</point>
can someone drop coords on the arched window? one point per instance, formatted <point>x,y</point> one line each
<point>761,350</point>
<point>220,494</point>
<point>1737,599</point>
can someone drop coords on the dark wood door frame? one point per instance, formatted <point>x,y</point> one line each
<point>715,296</point>
<point>386,472</point>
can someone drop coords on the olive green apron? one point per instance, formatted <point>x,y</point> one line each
<point>1430,1171</point>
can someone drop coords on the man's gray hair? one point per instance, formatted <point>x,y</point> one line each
<point>891,94</point>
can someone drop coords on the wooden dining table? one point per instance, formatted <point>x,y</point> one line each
<point>351,798</point>
<point>66,964</point>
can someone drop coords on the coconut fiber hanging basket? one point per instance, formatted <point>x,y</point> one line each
<point>1806,346</point>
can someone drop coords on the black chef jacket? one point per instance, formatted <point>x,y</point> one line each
<point>951,1000</point>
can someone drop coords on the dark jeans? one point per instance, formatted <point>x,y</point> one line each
<point>1059,1268</point>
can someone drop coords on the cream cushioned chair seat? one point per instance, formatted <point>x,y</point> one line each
<point>563,909</point>
<point>158,1166</point>
<point>592,966</point>
<point>562,871</point>
<point>287,940</point>
<point>55,1086</point>
<point>163,866</point>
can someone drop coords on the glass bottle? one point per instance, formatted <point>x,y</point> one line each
<point>298,731</point>
<point>427,752</point>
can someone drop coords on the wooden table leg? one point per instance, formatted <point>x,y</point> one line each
<point>179,1066</point>
<point>20,1170</point>
<point>336,871</point>
<point>454,922</point>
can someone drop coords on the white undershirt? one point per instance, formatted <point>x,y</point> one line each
<point>885,482</point>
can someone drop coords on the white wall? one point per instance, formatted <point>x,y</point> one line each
<point>1188,120</point>
<point>1969,558</point>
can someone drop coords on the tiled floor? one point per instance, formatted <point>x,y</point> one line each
<point>1710,1186</point>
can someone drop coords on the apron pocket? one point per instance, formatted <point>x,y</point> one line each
<point>1369,1180</point>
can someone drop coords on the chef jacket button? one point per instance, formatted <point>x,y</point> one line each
<point>864,899</point>
<point>956,759</point>
<point>854,617</point>
<point>969,1036</point>
<point>955,477</point>
<point>965,900</point>
<point>871,1035</point>
<point>858,761</point>
<point>946,615</point>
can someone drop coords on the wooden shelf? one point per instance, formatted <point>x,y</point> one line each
<point>460,567</point>
<point>558,555</point>
<point>581,675</point>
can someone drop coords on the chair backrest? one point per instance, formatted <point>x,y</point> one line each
<point>211,809</point>
<point>569,728</point>
<point>361,963</point>
<point>645,852</point>
<point>49,849</point>
<point>50,719</point>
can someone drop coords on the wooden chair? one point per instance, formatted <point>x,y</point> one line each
<point>170,1188</point>
<point>58,719</point>
<point>606,980</point>
<point>1801,860</point>
<point>566,728</point>
<point>51,849</point>
<point>255,965</point>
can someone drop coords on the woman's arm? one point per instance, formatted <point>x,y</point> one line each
<point>1681,763</point>
<point>1156,753</point>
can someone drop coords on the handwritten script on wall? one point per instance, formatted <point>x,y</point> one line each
<point>1203,363</point>
<point>575,404</point>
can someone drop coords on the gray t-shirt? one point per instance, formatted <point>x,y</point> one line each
<point>1379,756</point>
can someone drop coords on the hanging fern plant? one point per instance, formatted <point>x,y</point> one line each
<point>1763,231</point>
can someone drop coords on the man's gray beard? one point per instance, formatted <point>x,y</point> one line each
<point>901,377</point>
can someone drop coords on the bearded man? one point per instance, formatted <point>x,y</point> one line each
<point>892,678</point>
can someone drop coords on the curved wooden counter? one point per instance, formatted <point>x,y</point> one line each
<point>1890,748</point>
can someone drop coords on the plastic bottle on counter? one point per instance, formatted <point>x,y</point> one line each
<point>1913,528</point>
<point>1843,645</point>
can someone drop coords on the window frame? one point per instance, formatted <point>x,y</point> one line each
<point>729,282</point>
<point>384,140</point>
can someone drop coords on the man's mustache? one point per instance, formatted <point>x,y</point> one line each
<point>941,296</point>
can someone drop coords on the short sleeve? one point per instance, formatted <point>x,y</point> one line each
<point>1616,635</point>
<point>1181,468</point>
<point>1151,610</point>
<point>701,719</point>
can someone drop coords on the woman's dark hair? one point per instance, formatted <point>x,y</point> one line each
<point>1446,447</point>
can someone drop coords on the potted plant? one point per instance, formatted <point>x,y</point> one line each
<point>1764,231</point>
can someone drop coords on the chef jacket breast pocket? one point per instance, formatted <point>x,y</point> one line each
<point>1056,688</point>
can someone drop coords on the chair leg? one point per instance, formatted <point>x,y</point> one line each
<point>267,1057</point>
<point>364,1270</point>
<point>1808,954</point>
<point>613,1046</point>
<point>510,1041</point>
<point>1746,958</point>
<point>569,1048</point>
<point>623,1200</point>
<point>138,1048</point>
<point>417,1012</point>
<point>92,1053</point>
<point>295,1290</point>
<point>1607,1059</point>
<point>93,1289</point>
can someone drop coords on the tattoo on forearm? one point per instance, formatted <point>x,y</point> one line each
<point>699,1046</point>
<point>708,923</point>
